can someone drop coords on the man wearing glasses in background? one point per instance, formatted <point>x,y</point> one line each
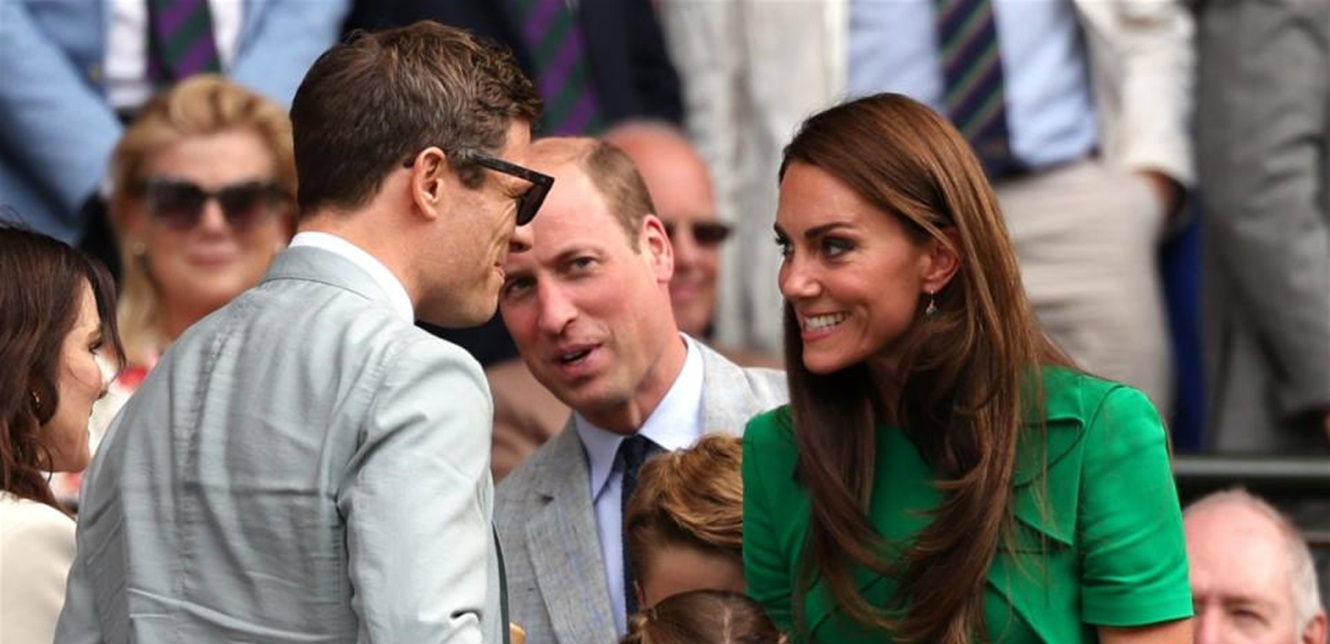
<point>306,464</point>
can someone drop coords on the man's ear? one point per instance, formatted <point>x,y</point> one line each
<point>942,260</point>
<point>654,244</point>
<point>1315,632</point>
<point>430,176</point>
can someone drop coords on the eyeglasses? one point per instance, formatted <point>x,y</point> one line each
<point>179,204</point>
<point>527,204</point>
<point>706,233</point>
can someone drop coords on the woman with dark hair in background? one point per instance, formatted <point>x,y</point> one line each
<point>57,319</point>
<point>942,474</point>
<point>703,617</point>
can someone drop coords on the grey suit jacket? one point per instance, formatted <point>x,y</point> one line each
<point>556,578</point>
<point>1264,139</point>
<point>301,466</point>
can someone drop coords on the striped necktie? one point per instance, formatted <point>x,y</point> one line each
<point>973,80</point>
<point>180,40</point>
<point>557,49</point>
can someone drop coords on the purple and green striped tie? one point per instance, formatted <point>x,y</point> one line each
<point>562,73</point>
<point>973,80</point>
<point>180,40</point>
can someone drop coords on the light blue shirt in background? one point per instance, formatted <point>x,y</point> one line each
<point>1050,110</point>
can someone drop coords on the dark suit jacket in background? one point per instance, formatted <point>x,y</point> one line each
<point>630,69</point>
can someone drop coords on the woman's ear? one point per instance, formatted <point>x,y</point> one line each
<point>941,261</point>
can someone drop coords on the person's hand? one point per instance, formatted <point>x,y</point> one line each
<point>1168,191</point>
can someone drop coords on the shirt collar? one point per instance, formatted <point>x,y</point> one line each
<point>397,295</point>
<point>674,424</point>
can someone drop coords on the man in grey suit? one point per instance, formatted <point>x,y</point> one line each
<point>305,464</point>
<point>589,308</point>
<point>1264,137</point>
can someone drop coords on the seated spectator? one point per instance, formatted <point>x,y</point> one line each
<point>684,522</point>
<point>59,317</point>
<point>703,617</point>
<point>1252,578</point>
<point>202,189</point>
<point>525,414</point>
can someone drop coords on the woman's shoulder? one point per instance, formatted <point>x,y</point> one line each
<point>27,516</point>
<point>770,428</point>
<point>1084,399</point>
<point>34,527</point>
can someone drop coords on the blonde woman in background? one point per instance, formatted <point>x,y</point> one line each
<point>202,189</point>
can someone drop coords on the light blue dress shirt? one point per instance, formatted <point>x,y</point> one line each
<point>1050,108</point>
<point>675,424</point>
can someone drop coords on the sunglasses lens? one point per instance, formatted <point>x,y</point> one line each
<point>176,204</point>
<point>245,204</point>
<point>710,233</point>
<point>529,204</point>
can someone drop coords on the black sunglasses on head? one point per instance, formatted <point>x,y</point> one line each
<point>179,204</point>
<point>527,204</point>
<point>706,233</point>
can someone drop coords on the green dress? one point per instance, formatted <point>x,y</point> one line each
<point>1104,545</point>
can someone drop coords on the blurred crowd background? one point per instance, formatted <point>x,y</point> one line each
<point>1164,168</point>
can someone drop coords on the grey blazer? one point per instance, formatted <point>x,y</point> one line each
<point>556,578</point>
<point>1264,139</point>
<point>301,466</point>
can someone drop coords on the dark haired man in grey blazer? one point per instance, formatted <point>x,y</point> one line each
<point>589,308</point>
<point>305,464</point>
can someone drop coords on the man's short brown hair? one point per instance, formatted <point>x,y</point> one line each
<point>375,100</point>
<point>611,172</point>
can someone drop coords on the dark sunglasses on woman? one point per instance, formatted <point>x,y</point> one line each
<point>179,204</point>
<point>705,233</point>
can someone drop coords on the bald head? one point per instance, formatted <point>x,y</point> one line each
<point>1252,575</point>
<point>681,189</point>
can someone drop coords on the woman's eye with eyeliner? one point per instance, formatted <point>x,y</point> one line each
<point>784,245</point>
<point>833,247</point>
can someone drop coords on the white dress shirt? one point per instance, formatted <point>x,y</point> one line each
<point>675,424</point>
<point>382,276</point>
<point>127,83</point>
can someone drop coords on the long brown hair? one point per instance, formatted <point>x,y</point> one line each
<point>39,298</point>
<point>703,617</point>
<point>967,378</point>
<point>692,497</point>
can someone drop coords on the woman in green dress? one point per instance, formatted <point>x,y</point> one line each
<point>942,473</point>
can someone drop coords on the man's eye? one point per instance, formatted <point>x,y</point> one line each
<point>516,287</point>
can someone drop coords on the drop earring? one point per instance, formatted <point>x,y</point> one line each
<point>931,309</point>
<point>36,400</point>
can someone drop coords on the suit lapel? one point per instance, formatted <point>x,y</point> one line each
<point>565,546</point>
<point>727,398</point>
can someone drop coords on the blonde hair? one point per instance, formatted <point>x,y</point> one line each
<point>201,105</point>
<point>692,497</point>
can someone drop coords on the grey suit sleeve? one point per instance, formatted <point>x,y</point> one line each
<point>418,501</point>
<point>1263,142</point>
